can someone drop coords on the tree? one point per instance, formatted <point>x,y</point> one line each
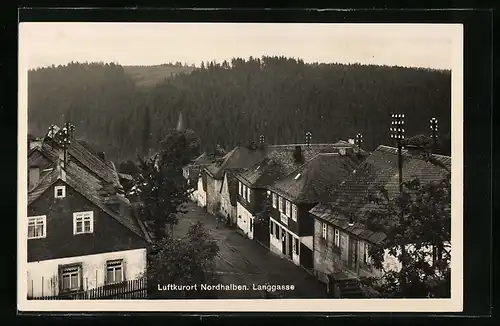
<point>183,261</point>
<point>162,186</point>
<point>146,132</point>
<point>418,219</point>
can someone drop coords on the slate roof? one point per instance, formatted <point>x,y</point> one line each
<point>239,157</point>
<point>201,160</point>
<point>91,188</point>
<point>280,161</point>
<point>81,151</point>
<point>380,169</point>
<point>316,180</point>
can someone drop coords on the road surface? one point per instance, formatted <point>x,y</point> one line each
<point>246,263</point>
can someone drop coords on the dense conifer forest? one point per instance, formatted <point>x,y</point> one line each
<point>234,102</point>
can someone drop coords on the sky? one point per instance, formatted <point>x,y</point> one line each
<point>411,45</point>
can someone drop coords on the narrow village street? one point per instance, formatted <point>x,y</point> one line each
<point>242,261</point>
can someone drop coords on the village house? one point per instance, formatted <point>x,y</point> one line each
<point>192,172</point>
<point>82,232</point>
<point>253,182</point>
<point>239,158</point>
<point>341,236</point>
<point>291,228</point>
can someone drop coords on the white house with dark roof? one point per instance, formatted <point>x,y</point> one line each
<point>82,232</point>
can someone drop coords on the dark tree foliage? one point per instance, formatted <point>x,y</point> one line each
<point>237,101</point>
<point>162,188</point>
<point>420,220</point>
<point>183,261</point>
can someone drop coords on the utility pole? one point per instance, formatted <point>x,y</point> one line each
<point>358,140</point>
<point>308,138</point>
<point>64,142</point>
<point>397,132</point>
<point>434,136</point>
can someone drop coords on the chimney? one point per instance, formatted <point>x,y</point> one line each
<point>35,143</point>
<point>297,154</point>
<point>102,156</point>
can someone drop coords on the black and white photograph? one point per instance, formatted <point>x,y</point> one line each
<point>189,166</point>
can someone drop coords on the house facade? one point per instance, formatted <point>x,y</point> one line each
<point>342,239</point>
<point>291,228</point>
<point>81,232</point>
<point>236,160</point>
<point>255,181</point>
<point>192,172</point>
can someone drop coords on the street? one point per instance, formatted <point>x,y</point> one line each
<point>244,262</point>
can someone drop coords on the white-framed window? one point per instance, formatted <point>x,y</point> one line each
<point>278,231</point>
<point>248,194</point>
<point>280,204</point>
<point>295,245</point>
<point>244,188</point>
<point>337,238</point>
<point>275,200</point>
<point>271,228</point>
<point>70,278</point>
<point>295,212</point>
<point>323,230</point>
<point>59,191</point>
<point>37,227</point>
<point>114,271</point>
<point>240,188</point>
<point>83,222</point>
<point>288,208</point>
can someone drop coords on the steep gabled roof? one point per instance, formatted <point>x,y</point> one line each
<point>82,152</point>
<point>280,161</point>
<point>91,188</point>
<point>380,169</point>
<point>316,180</point>
<point>201,160</point>
<point>239,157</point>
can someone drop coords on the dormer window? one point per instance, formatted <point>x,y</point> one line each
<point>59,191</point>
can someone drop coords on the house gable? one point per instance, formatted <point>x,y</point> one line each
<point>108,234</point>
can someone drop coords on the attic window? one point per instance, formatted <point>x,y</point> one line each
<point>297,177</point>
<point>59,191</point>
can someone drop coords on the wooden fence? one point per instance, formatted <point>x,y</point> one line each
<point>133,289</point>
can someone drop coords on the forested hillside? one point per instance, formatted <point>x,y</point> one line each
<point>234,102</point>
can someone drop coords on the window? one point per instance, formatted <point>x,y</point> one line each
<point>337,238</point>
<point>248,194</point>
<point>323,233</point>
<point>365,248</point>
<point>71,278</point>
<point>244,188</point>
<point>275,200</point>
<point>83,222</point>
<point>59,191</point>
<point>251,224</point>
<point>240,188</point>
<point>37,227</point>
<point>271,228</point>
<point>296,246</point>
<point>278,231</point>
<point>280,203</point>
<point>295,212</point>
<point>288,208</point>
<point>114,271</point>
